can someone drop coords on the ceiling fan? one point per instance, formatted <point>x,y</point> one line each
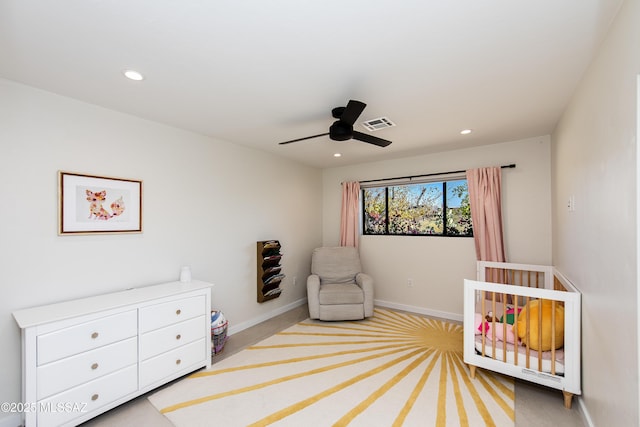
<point>342,129</point>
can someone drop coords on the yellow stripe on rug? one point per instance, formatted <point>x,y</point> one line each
<point>394,369</point>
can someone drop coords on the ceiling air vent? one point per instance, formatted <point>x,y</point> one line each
<point>377,124</point>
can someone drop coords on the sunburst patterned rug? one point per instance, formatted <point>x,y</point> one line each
<point>394,369</point>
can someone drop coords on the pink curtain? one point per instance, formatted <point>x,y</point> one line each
<point>486,212</point>
<point>349,214</point>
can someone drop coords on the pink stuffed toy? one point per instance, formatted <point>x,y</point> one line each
<point>499,329</point>
<point>479,322</point>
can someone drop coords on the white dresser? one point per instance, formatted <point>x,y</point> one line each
<point>83,357</point>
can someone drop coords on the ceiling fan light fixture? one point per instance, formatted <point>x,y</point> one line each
<point>340,131</point>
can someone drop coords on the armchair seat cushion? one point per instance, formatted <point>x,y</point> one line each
<point>341,293</point>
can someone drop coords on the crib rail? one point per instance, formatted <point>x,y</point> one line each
<point>528,275</point>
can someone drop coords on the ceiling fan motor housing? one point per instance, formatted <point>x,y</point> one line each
<point>340,131</point>
<point>337,112</point>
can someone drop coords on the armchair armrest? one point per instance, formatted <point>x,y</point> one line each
<point>366,283</point>
<point>313,296</point>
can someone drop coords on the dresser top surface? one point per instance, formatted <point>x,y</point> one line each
<point>35,316</point>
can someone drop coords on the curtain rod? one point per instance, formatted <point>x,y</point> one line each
<point>511,166</point>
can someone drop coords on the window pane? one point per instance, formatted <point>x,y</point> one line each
<point>458,209</point>
<point>418,209</point>
<point>375,213</point>
<point>415,209</point>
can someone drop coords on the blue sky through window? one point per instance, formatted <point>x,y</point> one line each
<point>453,201</point>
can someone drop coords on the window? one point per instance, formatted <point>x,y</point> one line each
<point>424,209</point>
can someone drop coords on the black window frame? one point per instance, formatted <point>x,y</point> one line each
<point>386,200</point>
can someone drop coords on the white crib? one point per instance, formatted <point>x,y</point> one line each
<point>503,288</point>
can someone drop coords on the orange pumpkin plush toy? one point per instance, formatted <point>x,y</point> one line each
<point>520,328</point>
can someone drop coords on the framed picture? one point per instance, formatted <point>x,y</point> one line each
<point>95,204</point>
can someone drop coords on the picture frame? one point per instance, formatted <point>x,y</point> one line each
<point>89,204</point>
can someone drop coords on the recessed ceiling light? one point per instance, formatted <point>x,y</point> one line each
<point>133,75</point>
<point>465,132</point>
<point>337,155</point>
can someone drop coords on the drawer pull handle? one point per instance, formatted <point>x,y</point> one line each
<point>178,336</point>
<point>178,311</point>
<point>95,397</point>
<point>178,361</point>
<point>94,366</point>
<point>94,335</point>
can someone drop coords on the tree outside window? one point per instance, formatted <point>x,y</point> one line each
<point>424,209</point>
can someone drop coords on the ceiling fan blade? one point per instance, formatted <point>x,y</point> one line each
<point>352,111</point>
<point>302,139</point>
<point>365,137</point>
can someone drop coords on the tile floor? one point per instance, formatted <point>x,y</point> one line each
<point>536,406</point>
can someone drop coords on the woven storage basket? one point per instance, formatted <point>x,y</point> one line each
<point>219,326</point>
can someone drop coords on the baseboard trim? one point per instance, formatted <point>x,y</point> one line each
<point>234,329</point>
<point>13,420</point>
<point>420,310</point>
<point>585,413</point>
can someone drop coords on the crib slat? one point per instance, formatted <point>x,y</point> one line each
<point>553,337</point>
<point>493,325</point>
<point>482,329</point>
<point>540,335</point>
<point>504,327</point>
<point>527,331</point>
<point>521,277</point>
<point>515,324</point>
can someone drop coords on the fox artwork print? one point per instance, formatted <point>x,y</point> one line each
<point>96,211</point>
<point>96,204</point>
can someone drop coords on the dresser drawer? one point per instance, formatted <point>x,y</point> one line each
<point>86,336</point>
<point>88,397</point>
<point>172,362</point>
<point>67,373</point>
<point>173,336</point>
<point>161,315</point>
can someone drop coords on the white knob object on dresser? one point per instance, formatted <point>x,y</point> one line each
<point>83,357</point>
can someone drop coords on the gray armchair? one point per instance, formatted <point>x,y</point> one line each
<point>337,289</point>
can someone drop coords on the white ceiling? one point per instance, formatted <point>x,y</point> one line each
<point>258,72</point>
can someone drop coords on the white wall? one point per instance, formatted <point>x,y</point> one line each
<point>438,265</point>
<point>594,159</point>
<point>206,203</point>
